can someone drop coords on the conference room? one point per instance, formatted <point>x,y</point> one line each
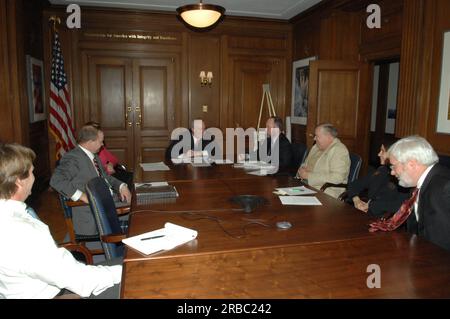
<point>229,140</point>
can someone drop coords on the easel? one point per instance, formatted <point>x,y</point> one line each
<point>266,93</point>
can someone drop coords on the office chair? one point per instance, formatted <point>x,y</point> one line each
<point>75,238</point>
<point>299,151</point>
<point>355,166</point>
<point>110,228</point>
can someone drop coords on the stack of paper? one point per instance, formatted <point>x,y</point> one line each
<point>159,166</point>
<point>223,161</point>
<point>165,238</point>
<point>300,200</point>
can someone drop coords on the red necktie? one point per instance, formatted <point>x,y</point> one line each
<point>97,166</point>
<point>398,218</point>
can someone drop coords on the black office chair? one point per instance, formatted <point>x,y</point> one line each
<point>110,228</point>
<point>355,166</point>
<point>299,151</point>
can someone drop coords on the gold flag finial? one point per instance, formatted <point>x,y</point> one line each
<point>55,20</point>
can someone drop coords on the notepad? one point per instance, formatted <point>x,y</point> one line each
<point>300,200</point>
<point>173,236</point>
<point>294,191</point>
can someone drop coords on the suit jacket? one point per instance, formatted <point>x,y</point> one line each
<point>285,158</point>
<point>75,170</point>
<point>333,166</point>
<point>204,143</point>
<point>433,208</point>
<point>382,190</point>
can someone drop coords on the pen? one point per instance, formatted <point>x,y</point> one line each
<point>154,237</point>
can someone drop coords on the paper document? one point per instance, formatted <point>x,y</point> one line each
<point>159,166</point>
<point>260,172</point>
<point>200,164</point>
<point>165,238</point>
<point>292,191</point>
<point>152,184</point>
<point>300,200</point>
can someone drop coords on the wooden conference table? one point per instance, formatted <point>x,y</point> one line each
<point>325,254</point>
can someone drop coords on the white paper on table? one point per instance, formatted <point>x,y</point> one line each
<point>294,191</point>
<point>260,172</point>
<point>159,166</point>
<point>174,235</point>
<point>300,200</point>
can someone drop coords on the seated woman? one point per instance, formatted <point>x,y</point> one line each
<point>110,162</point>
<point>383,193</point>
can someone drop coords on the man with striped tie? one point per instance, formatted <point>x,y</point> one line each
<point>32,266</point>
<point>76,168</point>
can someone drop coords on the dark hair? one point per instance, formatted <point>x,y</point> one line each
<point>278,122</point>
<point>15,163</point>
<point>87,133</point>
<point>94,124</point>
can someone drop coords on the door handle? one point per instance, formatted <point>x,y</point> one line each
<point>138,111</point>
<point>127,116</point>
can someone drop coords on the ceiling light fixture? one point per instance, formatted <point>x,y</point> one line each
<point>201,15</point>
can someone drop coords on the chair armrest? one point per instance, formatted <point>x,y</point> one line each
<point>343,196</point>
<point>81,249</point>
<point>123,210</point>
<point>326,185</point>
<point>113,238</point>
<point>77,203</point>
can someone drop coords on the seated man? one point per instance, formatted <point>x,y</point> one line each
<point>32,266</point>
<point>193,144</point>
<point>328,161</point>
<point>78,167</point>
<point>415,163</point>
<point>276,141</point>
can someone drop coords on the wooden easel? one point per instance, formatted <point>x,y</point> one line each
<point>266,93</point>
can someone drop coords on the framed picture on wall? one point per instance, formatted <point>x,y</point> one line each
<point>443,116</point>
<point>300,85</point>
<point>35,79</point>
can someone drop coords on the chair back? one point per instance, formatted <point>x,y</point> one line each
<point>104,211</point>
<point>355,166</point>
<point>299,151</point>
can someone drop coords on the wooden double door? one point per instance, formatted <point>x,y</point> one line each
<point>134,98</point>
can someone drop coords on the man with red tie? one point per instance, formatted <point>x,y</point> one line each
<point>76,169</point>
<point>415,163</point>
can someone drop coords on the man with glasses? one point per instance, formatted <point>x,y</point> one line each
<point>415,163</point>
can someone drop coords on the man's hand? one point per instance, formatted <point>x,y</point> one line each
<point>361,205</point>
<point>125,194</point>
<point>110,168</point>
<point>84,198</point>
<point>303,172</point>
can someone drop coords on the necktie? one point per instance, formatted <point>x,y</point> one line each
<point>97,166</point>
<point>398,218</point>
<point>32,213</point>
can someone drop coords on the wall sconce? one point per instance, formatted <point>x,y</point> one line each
<point>206,78</point>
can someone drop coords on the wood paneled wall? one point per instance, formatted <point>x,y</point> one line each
<point>410,30</point>
<point>242,54</point>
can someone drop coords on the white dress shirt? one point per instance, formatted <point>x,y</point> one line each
<point>32,266</point>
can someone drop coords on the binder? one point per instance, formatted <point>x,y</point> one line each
<point>146,193</point>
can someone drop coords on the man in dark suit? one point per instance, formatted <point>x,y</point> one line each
<point>79,166</point>
<point>192,143</point>
<point>276,140</point>
<point>415,164</point>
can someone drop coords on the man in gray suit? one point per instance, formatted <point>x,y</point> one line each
<point>79,166</point>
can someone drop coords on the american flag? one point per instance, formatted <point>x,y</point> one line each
<point>60,117</point>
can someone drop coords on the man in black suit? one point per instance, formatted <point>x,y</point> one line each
<point>276,140</point>
<point>415,164</point>
<point>192,143</point>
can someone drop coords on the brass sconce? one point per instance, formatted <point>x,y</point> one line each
<point>206,78</point>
